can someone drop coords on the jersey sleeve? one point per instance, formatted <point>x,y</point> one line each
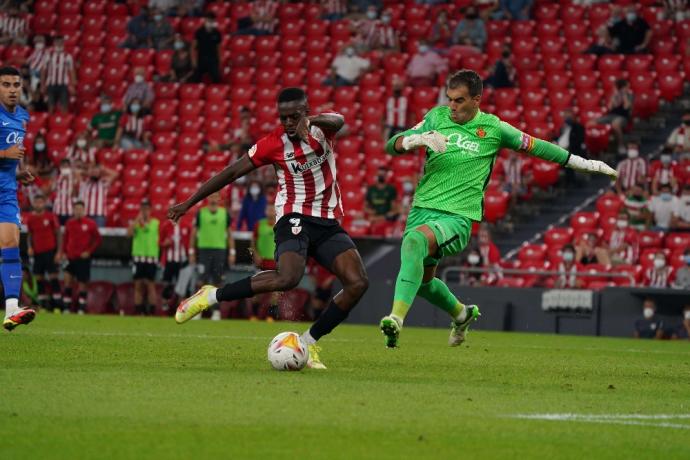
<point>262,153</point>
<point>427,124</point>
<point>515,139</point>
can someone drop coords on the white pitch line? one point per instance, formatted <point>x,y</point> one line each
<point>612,419</point>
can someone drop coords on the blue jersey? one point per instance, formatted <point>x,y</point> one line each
<point>12,131</point>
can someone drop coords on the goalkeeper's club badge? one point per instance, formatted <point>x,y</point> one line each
<point>296,227</point>
<point>481,132</point>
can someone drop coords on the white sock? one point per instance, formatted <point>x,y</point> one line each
<point>308,339</point>
<point>212,296</point>
<point>11,307</point>
<point>398,320</point>
<point>462,316</point>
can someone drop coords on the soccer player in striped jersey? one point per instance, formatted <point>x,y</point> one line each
<point>308,205</point>
<point>13,121</point>
<point>461,144</point>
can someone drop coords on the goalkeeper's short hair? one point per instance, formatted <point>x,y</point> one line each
<point>466,77</point>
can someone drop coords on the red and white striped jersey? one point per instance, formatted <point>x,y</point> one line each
<point>631,170</point>
<point>624,242</point>
<point>134,126</point>
<point>87,156</point>
<point>58,68</point>
<point>658,277</point>
<point>567,278</point>
<point>64,193</point>
<point>396,111</point>
<point>306,172</point>
<point>266,10</point>
<point>513,171</point>
<point>382,36</point>
<point>334,6</point>
<point>94,194</point>
<point>174,239</point>
<point>664,175</point>
<point>37,59</point>
<point>13,27</point>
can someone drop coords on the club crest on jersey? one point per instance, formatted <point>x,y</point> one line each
<point>481,133</point>
<point>296,228</point>
<point>463,142</point>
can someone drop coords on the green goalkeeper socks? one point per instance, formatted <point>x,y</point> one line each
<point>415,248</point>
<point>437,293</point>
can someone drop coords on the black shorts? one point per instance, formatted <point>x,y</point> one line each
<point>322,239</point>
<point>44,263</point>
<point>80,269</point>
<point>145,271</point>
<point>172,271</point>
<point>322,294</point>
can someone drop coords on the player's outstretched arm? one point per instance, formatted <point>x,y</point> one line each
<point>414,138</point>
<point>515,139</point>
<point>328,122</point>
<point>227,176</point>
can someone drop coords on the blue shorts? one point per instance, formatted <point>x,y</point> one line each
<point>9,210</point>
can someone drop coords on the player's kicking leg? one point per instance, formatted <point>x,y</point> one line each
<point>11,274</point>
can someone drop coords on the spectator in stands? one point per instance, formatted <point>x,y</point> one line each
<point>144,231</point>
<point>263,250</point>
<point>515,9</point>
<point>80,240</point>
<point>181,67</point>
<point>659,275</point>
<point>567,268</point>
<point>503,73</point>
<point>58,76</point>
<point>514,180</point>
<point>212,238</point>
<point>683,330</point>
<point>491,257</point>
<point>397,112</point>
<point>139,30</point>
<point>622,244</point>
<point>382,36</point>
<point>630,33</point>
<point>41,162</point>
<point>679,140</point>
<point>677,10</point>
<point>161,32</point>
<point>665,174</point>
<point>82,149</point>
<point>93,192</point>
<point>636,205</point>
<point>206,50</point>
<point>603,44</point>
<point>586,249</point>
<point>471,30</point>
<point>661,207</point>
<point>425,66</point>
<point>571,135</point>
<point>141,90</point>
<point>30,98</point>
<point>680,219</point>
<point>134,131</point>
<point>14,28</point>
<point>105,123</point>
<point>650,326</point>
<point>174,243</point>
<point>441,31</point>
<point>334,10</point>
<point>36,61</point>
<point>244,133</point>
<point>473,260</point>
<point>264,16</point>
<point>44,244</point>
<point>253,206</point>
<point>65,191</point>
<point>362,26</point>
<point>380,202</point>
<point>619,112</point>
<point>346,68</point>
<point>631,171</point>
<point>682,278</point>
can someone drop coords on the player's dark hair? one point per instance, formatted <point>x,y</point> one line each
<point>466,77</point>
<point>621,83</point>
<point>9,70</point>
<point>291,95</point>
<point>78,203</point>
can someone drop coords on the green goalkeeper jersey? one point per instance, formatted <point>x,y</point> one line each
<point>454,181</point>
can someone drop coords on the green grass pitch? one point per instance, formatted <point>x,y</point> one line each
<point>105,387</point>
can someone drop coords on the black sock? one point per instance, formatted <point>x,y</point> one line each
<point>328,320</point>
<point>139,309</point>
<point>241,289</point>
<point>82,300</point>
<point>67,298</point>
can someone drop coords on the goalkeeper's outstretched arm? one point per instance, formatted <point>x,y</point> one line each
<point>515,139</point>
<point>417,136</point>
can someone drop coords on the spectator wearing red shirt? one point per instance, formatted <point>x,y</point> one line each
<point>43,244</point>
<point>80,240</point>
<point>622,244</point>
<point>490,256</point>
<point>174,243</point>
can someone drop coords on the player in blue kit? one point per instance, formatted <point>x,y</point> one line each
<point>13,121</point>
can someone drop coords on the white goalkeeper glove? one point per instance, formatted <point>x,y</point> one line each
<point>431,139</point>
<point>591,166</point>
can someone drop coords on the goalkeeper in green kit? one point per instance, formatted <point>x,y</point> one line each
<point>461,146</point>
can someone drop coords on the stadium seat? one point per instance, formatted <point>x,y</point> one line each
<point>670,86</point>
<point>495,205</point>
<point>584,220</point>
<point>545,174</point>
<point>677,241</point>
<point>650,239</point>
<point>165,107</point>
<point>192,91</point>
<point>532,252</point>
<point>608,204</point>
<point>558,236</point>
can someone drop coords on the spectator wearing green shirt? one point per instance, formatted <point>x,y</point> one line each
<point>144,231</point>
<point>263,250</point>
<point>381,200</point>
<point>105,123</point>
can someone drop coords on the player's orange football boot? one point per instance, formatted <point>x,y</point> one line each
<point>23,316</point>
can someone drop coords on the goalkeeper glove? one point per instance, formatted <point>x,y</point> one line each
<point>578,163</point>
<point>431,139</point>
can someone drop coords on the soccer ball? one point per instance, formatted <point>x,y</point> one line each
<point>287,352</point>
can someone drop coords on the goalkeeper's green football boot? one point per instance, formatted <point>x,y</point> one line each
<point>391,326</point>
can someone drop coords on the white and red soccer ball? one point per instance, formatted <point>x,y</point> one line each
<point>287,352</point>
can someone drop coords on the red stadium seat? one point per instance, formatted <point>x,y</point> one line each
<point>608,204</point>
<point>266,45</point>
<point>532,252</point>
<point>677,241</point>
<point>558,236</point>
<point>495,205</point>
<point>584,220</point>
<point>670,86</point>
<point>316,30</point>
<point>292,28</point>
<point>633,272</point>
<point>645,103</point>
<point>164,141</point>
<point>650,239</point>
<point>395,63</point>
<point>545,174</point>
<point>165,107</point>
<point>192,91</point>
<point>609,62</point>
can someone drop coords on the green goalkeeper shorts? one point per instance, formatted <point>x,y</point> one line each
<point>451,230</point>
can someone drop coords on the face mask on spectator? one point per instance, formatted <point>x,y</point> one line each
<point>254,190</point>
<point>350,51</point>
<point>40,45</point>
<point>139,78</point>
<point>40,146</point>
<point>408,187</point>
<point>665,159</point>
<point>179,45</point>
<point>157,17</point>
<point>105,108</point>
<point>621,223</point>
<point>210,25</point>
<point>371,14</point>
<point>632,153</point>
<point>423,48</point>
<point>630,16</point>
<point>135,108</point>
<point>81,143</point>
<point>386,19</point>
<point>65,171</point>
<point>568,256</point>
<point>648,312</point>
<point>659,263</point>
<point>687,315</point>
<point>473,259</point>
<point>665,196</point>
